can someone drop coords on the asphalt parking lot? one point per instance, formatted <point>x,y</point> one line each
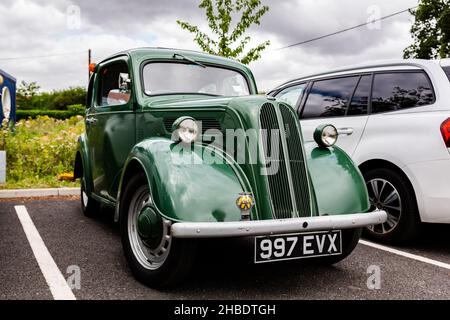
<point>224,269</point>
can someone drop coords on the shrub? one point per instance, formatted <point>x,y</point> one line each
<point>78,108</point>
<point>56,100</point>
<point>56,114</point>
<point>40,149</point>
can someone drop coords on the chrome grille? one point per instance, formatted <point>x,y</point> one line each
<point>278,182</point>
<point>296,162</point>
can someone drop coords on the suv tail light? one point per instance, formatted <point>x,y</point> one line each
<point>445,131</point>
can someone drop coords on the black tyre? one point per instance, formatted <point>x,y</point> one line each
<point>350,240</point>
<point>154,257</point>
<point>89,206</point>
<point>392,192</point>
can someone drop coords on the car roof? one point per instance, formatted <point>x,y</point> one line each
<point>162,51</point>
<point>368,67</point>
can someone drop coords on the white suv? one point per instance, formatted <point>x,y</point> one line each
<point>393,118</point>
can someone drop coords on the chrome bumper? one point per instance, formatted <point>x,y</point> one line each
<point>267,227</point>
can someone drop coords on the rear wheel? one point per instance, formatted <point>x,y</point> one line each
<point>390,191</point>
<point>89,206</point>
<point>154,257</point>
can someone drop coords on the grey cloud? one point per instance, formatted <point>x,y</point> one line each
<point>37,27</point>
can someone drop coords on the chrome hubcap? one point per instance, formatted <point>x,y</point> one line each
<point>384,196</point>
<point>150,254</point>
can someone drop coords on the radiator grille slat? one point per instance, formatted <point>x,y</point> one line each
<point>278,182</point>
<point>296,162</point>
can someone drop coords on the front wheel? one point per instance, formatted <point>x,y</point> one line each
<point>154,257</point>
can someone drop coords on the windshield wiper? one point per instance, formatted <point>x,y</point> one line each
<point>188,59</point>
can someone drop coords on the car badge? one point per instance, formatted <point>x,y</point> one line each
<point>245,203</point>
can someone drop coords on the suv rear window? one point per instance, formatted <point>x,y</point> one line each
<point>401,90</point>
<point>447,71</point>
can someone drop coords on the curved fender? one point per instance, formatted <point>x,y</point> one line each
<point>184,187</point>
<point>338,184</point>
<point>82,149</point>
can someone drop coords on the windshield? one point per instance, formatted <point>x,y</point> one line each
<point>169,78</point>
<point>447,71</point>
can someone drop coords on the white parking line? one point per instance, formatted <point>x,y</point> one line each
<point>406,254</point>
<point>55,280</point>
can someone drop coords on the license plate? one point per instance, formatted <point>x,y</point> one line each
<point>297,246</point>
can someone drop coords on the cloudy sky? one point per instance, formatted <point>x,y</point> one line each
<point>30,29</point>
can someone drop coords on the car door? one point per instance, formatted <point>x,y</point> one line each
<point>110,126</point>
<point>342,102</point>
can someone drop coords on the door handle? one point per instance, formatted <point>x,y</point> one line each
<point>345,131</point>
<point>90,121</point>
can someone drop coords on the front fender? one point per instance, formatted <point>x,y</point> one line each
<point>338,184</point>
<point>82,155</point>
<point>186,187</point>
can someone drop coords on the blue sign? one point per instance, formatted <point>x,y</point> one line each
<point>7,96</point>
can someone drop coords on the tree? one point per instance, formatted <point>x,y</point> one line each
<point>430,31</point>
<point>219,16</point>
<point>28,90</point>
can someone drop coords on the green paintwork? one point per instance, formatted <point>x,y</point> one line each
<point>82,151</point>
<point>338,184</point>
<point>186,188</point>
<point>135,134</point>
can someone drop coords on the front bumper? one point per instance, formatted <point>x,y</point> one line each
<point>268,227</point>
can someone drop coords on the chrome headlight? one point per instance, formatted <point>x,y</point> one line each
<point>326,135</point>
<point>185,129</point>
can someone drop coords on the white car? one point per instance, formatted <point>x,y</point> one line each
<point>393,118</point>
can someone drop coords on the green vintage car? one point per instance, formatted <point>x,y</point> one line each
<point>182,147</point>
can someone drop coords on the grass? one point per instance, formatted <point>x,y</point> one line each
<point>39,150</point>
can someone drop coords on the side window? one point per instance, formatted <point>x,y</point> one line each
<point>329,98</point>
<point>401,90</point>
<point>292,94</point>
<point>360,100</point>
<point>111,86</point>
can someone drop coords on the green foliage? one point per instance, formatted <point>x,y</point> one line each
<point>430,31</point>
<point>4,131</point>
<point>79,109</point>
<point>75,110</point>
<point>40,149</point>
<point>28,97</point>
<point>28,90</point>
<point>219,16</point>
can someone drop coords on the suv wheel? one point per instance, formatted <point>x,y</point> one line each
<point>154,257</point>
<point>391,192</point>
